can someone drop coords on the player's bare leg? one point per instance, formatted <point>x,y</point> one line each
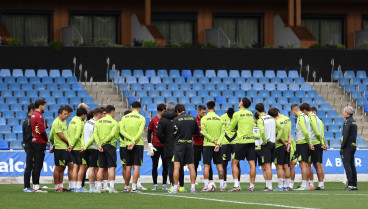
<point>252,173</point>
<point>292,174</point>
<point>235,170</point>
<point>286,177</point>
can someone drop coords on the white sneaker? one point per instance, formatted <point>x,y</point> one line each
<point>40,191</point>
<point>113,191</point>
<point>142,188</point>
<point>98,190</point>
<point>106,189</point>
<point>225,185</point>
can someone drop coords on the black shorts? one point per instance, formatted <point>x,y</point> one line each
<point>107,158</point>
<point>76,157</point>
<point>209,154</point>
<point>61,157</point>
<point>123,157</point>
<point>184,153</point>
<point>268,152</point>
<point>242,151</point>
<point>302,150</point>
<point>83,156</point>
<point>91,156</point>
<point>227,151</point>
<point>258,157</point>
<point>316,154</point>
<point>281,156</point>
<point>134,156</point>
<point>198,150</point>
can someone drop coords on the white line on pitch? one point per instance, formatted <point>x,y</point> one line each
<point>228,201</point>
<point>352,194</point>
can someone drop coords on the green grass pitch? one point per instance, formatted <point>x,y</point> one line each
<point>11,196</point>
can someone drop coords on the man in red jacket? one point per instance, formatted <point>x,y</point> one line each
<point>198,141</point>
<point>39,142</point>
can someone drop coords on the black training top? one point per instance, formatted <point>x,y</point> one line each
<point>349,133</point>
<point>185,126</point>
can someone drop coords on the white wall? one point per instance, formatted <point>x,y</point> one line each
<point>284,36</point>
<point>139,32</point>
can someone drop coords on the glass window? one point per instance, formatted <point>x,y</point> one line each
<point>96,28</point>
<point>328,31</point>
<point>29,28</point>
<point>176,31</point>
<point>365,22</point>
<point>242,31</point>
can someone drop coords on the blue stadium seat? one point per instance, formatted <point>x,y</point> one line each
<point>240,93</point>
<point>138,73</point>
<point>361,143</point>
<point>52,87</point>
<point>174,73</point>
<point>190,93</point>
<point>16,145</point>
<point>153,93</point>
<point>299,80</point>
<point>318,100</point>
<point>300,93</point>
<point>306,100</point>
<point>113,73</point>
<point>59,80</point>
<point>13,121</point>
<point>192,80</point>
<point>9,80</point>
<point>77,86</point>
<point>321,114</point>
<point>215,80</point>
<point>257,100</point>
<point>196,100</point>
<point>147,86</point>
<point>2,122</point>
<point>220,100</point>
<point>173,86</point>
<point>22,79</point>
<point>222,73</point>
<point>5,72</point>
<point>150,73</point>
<point>159,100</point>
<point>151,107</point>
<point>234,74</point>
<point>312,93</point>
<point>325,106</point>
<point>198,73</point>
<point>131,79</point>
<point>68,93</point>
<point>66,73</point>
<point>3,86</point>
<point>197,86</point>
<point>282,100</point>
<point>258,73</point>
<point>162,73</point>
<point>11,100</point>
<point>355,81</point>
<point>246,73</point>
<point>306,86</point>
<point>215,93</point>
<point>228,80</point>
<point>17,72</point>
<point>185,86</point>
<point>39,86</point>
<point>178,93</point>
<point>333,128</point>
<point>225,106</point>
<point>207,99</point>
<point>349,74</point>
<point>143,80</point>
<point>287,80</point>
<point>295,100</point>
<point>252,80</point>
<point>4,145</point>
<point>47,80</point>
<point>234,86</point>
<point>186,73</point>
<point>270,74</point>
<point>21,114</point>
<point>172,99</point>
<point>189,107</point>
<point>339,121</point>
<point>264,93</point>
<point>270,86</point>
<point>75,100</point>
<point>141,93</point>
<point>288,93</point>
<point>88,100</point>
<point>257,86</point>
<point>361,74</point>
<point>293,74</point>
<point>271,100</point>
<point>281,74</point>
<point>337,75</point>
<point>282,86</point>
<point>263,80</point>
<point>332,113</point>
<point>155,79</point>
<point>167,80</point>
<point>209,86</point>
<point>54,73</point>
<point>166,93</point>
<point>234,100</point>
<point>71,80</point>
<point>183,100</point>
<point>203,80</point>
<point>82,93</point>
<point>24,100</point>
<point>6,93</point>
<point>227,93</point>
<point>210,73</point>
<point>42,73</point>
<point>29,73</point>
<point>136,86</point>
<point>251,93</point>
<point>179,80</point>
<point>294,87</point>
<point>16,107</point>
<point>62,101</point>
<point>49,100</point>
<point>275,80</point>
<point>193,113</point>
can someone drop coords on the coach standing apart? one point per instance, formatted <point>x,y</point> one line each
<point>348,147</point>
<point>39,142</point>
<point>27,139</point>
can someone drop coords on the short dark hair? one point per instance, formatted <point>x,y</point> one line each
<point>31,107</point>
<point>201,107</point>
<point>136,104</point>
<point>260,107</point>
<point>161,107</point>
<point>103,109</point>
<point>314,109</point>
<point>293,106</point>
<point>230,112</point>
<point>211,105</point>
<point>273,112</point>
<point>256,116</point>
<point>305,106</point>
<point>179,108</point>
<point>67,108</point>
<point>127,112</point>
<point>97,110</point>
<point>90,115</point>
<point>246,102</point>
<point>39,102</point>
<point>60,111</point>
<point>81,111</point>
<point>110,109</point>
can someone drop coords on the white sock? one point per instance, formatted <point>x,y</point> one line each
<point>321,184</point>
<point>205,183</point>
<point>99,184</point>
<point>311,183</point>
<point>56,186</point>
<point>269,184</point>
<point>304,183</point>
<point>291,185</point>
<point>79,184</point>
<point>105,182</point>
<point>281,182</point>
<point>61,185</point>
<point>221,183</point>
<point>71,184</point>
<point>74,184</point>
<point>112,183</point>
<point>92,185</point>
<point>139,182</point>
<point>36,186</point>
<point>192,186</point>
<point>157,185</point>
<point>134,186</point>
<point>127,187</point>
<point>236,182</point>
<point>251,185</point>
<point>286,182</point>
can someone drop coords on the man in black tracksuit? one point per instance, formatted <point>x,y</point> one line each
<point>165,134</point>
<point>27,139</point>
<point>348,147</point>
